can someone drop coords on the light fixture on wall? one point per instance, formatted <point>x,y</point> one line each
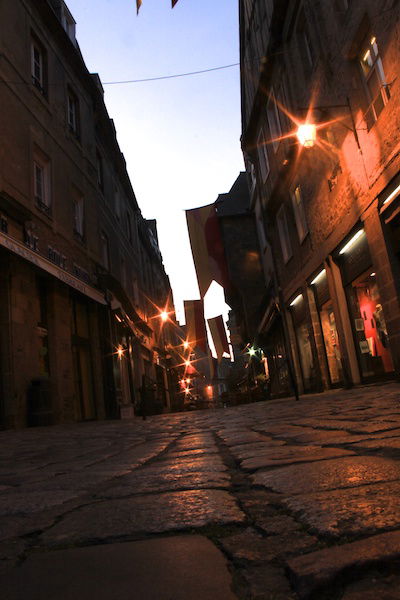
<point>306,132</point>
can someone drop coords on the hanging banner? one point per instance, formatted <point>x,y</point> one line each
<point>195,324</point>
<point>207,247</point>
<point>218,333</point>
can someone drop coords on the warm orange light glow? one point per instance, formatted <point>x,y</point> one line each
<point>164,316</point>
<point>187,363</point>
<point>307,134</point>
<point>120,352</point>
<point>187,391</point>
<point>188,380</point>
<point>186,344</point>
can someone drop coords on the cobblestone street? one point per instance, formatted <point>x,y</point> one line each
<point>269,501</point>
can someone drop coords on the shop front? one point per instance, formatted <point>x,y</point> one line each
<point>305,343</point>
<point>326,315</point>
<point>365,308</point>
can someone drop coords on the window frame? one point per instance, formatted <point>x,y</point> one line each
<point>299,213</point>
<point>39,80</point>
<point>370,69</point>
<point>273,120</point>
<point>73,110</point>
<point>42,182</point>
<point>79,216</point>
<point>283,233</point>
<point>262,153</point>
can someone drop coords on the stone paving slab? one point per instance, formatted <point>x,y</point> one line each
<point>14,526</point>
<point>374,588</point>
<point>242,437</point>
<point>249,546</point>
<point>292,454</point>
<point>351,511</point>
<point>244,451</point>
<point>148,513</point>
<point>82,481</point>
<point>17,503</point>
<point>267,583</point>
<point>379,444</point>
<point>317,569</point>
<point>331,474</point>
<point>212,462</point>
<point>178,568</point>
<point>143,483</point>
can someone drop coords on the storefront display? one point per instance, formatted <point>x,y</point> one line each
<point>369,325</point>
<point>302,328</point>
<point>328,325</point>
<point>329,331</point>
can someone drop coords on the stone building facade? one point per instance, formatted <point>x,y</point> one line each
<point>327,205</point>
<point>81,275</point>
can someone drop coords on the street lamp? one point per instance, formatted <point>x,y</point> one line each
<point>307,134</point>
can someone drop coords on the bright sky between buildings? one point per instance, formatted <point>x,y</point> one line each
<point>180,136</point>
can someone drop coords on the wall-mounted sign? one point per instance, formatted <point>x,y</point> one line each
<point>34,258</point>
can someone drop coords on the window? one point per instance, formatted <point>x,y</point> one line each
<point>263,155</point>
<point>105,250</point>
<point>283,232</point>
<point>78,216</point>
<point>73,112</point>
<point>38,66</point>
<point>374,80</point>
<point>30,240</point>
<point>305,45</point>
<point>41,181</point>
<point>299,214</point>
<point>56,257</point>
<point>68,23</point>
<point>273,120</point>
<point>3,224</point>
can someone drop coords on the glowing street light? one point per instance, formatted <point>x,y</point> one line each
<point>252,351</point>
<point>307,134</point>
<point>120,352</point>
<point>164,316</point>
<point>186,344</point>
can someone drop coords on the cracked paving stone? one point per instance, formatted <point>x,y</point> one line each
<point>331,474</point>
<point>254,449</point>
<point>187,465</point>
<point>326,437</point>
<point>179,454</point>
<point>74,481</point>
<point>151,514</point>
<point>242,437</point>
<point>373,588</point>
<point>267,582</point>
<point>159,481</point>
<point>349,511</point>
<point>16,503</point>
<point>310,572</point>
<point>292,454</point>
<point>252,547</point>
<point>14,526</point>
<point>383,443</point>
